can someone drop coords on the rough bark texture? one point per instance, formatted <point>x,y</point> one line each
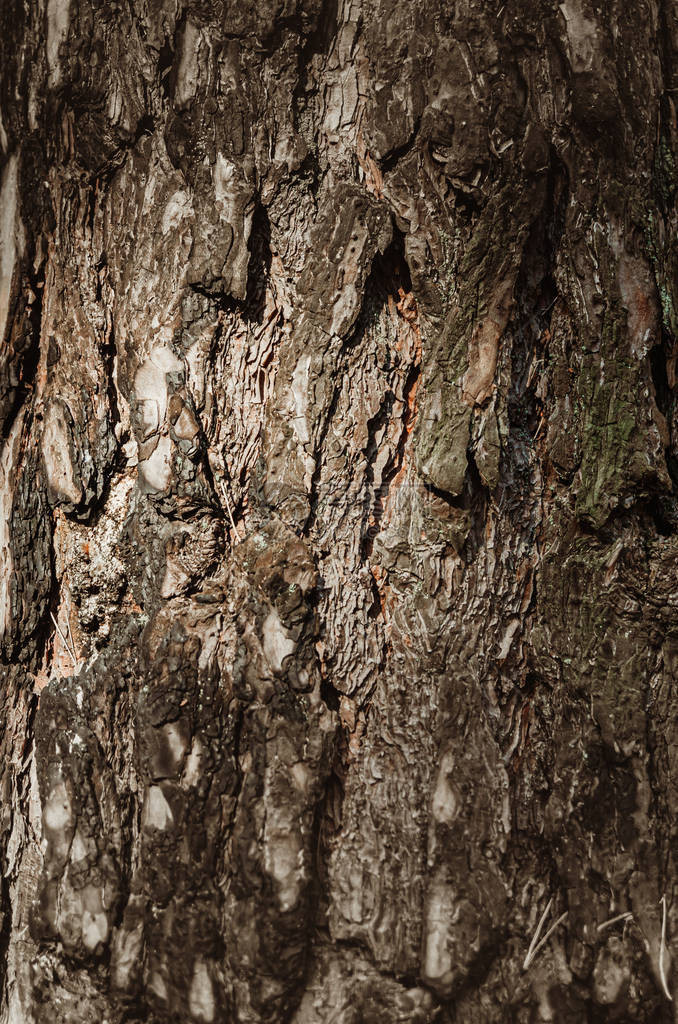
<point>338,591</point>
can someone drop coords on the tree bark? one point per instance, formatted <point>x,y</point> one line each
<point>338,593</point>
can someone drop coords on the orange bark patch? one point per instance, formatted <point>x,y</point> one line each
<point>374,181</point>
<point>380,580</point>
<point>407,309</point>
<point>478,381</point>
<point>637,288</point>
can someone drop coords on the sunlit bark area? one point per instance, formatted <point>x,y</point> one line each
<point>338,511</point>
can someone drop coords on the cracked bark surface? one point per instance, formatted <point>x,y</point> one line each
<point>338,509</point>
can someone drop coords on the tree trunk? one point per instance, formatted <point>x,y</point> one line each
<point>338,476</point>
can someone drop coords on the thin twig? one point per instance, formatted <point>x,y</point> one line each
<point>535,938</point>
<point>64,641</point>
<point>662,951</point>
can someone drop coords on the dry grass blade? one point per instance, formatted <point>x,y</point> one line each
<point>65,642</point>
<point>626,916</point>
<point>535,938</point>
<point>662,952</point>
<point>228,509</point>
